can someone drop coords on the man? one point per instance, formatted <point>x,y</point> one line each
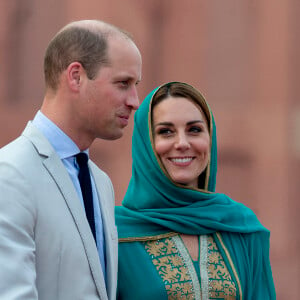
<point>49,249</point>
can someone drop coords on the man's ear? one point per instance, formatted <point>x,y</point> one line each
<point>75,72</point>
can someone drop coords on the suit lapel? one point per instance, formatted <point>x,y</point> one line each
<point>107,205</point>
<point>60,175</point>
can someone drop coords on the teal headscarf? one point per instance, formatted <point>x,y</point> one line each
<point>154,204</point>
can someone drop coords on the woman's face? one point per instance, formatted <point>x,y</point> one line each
<point>181,139</point>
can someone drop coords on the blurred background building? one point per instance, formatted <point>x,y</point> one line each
<point>242,55</point>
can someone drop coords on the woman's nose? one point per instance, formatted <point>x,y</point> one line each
<point>182,142</point>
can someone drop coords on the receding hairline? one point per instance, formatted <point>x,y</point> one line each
<point>97,26</point>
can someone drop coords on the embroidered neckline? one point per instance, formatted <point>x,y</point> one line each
<point>175,266</point>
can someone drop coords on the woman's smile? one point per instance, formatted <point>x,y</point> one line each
<point>181,140</point>
<point>181,161</point>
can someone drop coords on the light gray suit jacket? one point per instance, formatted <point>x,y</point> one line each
<point>47,250</point>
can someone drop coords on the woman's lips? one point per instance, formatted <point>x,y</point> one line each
<point>181,161</point>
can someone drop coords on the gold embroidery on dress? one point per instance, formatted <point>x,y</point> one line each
<point>221,285</point>
<point>171,268</point>
<point>175,274</point>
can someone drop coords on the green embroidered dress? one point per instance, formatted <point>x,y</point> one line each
<point>154,263</point>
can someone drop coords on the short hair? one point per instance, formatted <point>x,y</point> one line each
<point>85,42</point>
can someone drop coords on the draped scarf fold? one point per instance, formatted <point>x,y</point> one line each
<point>154,204</point>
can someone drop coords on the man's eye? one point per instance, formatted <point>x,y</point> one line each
<point>124,84</point>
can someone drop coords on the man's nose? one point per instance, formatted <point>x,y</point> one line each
<point>133,99</point>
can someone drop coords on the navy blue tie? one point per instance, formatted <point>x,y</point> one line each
<point>86,189</point>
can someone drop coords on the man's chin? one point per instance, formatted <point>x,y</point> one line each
<point>112,136</point>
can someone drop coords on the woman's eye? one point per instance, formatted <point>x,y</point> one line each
<point>164,131</point>
<point>195,129</point>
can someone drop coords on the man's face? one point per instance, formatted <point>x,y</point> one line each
<point>110,98</point>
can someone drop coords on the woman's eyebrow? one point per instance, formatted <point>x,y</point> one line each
<point>171,124</point>
<point>195,121</point>
<point>163,124</point>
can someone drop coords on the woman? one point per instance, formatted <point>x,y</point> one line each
<point>178,238</point>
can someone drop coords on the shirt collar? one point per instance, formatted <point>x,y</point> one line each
<point>62,143</point>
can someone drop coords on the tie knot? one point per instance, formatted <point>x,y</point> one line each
<point>82,158</point>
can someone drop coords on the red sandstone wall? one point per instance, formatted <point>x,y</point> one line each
<point>244,57</point>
